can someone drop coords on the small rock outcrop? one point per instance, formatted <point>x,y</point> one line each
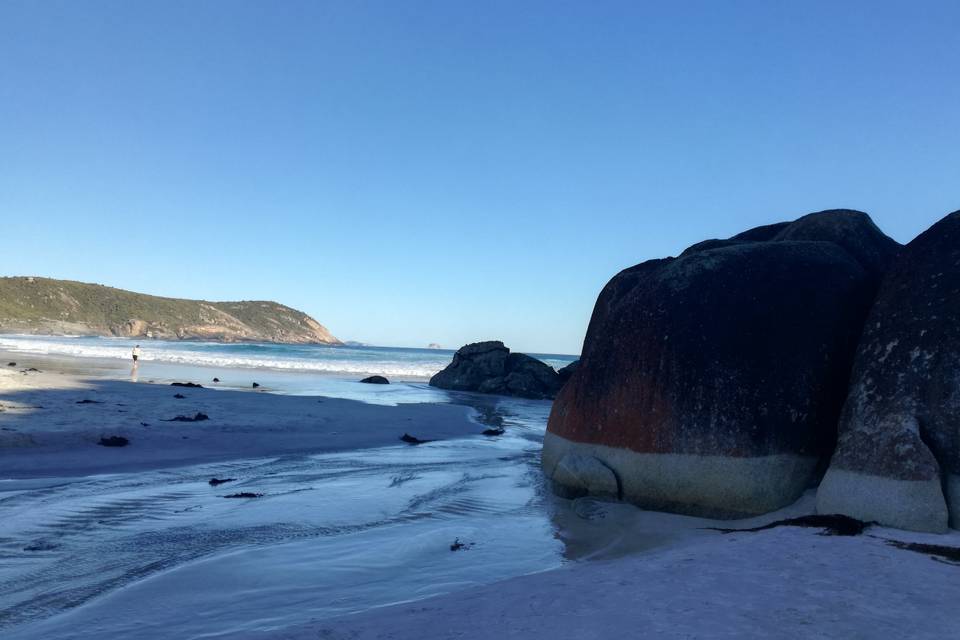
<point>898,454</point>
<point>711,383</point>
<point>576,475</point>
<point>375,380</point>
<point>472,365</point>
<point>489,367</point>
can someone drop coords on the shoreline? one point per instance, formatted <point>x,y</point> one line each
<point>119,369</point>
<point>786,582</point>
<point>636,571</point>
<point>52,420</point>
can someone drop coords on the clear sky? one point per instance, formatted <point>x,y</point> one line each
<point>414,172</point>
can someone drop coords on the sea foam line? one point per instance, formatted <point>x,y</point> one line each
<point>187,357</point>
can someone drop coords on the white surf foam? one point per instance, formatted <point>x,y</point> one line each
<point>184,355</point>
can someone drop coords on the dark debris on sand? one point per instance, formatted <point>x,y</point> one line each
<point>191,385</point>
<point>244,494</point>
<point>460,546</point>
<point>832,525</point>
<point>409,439</point>
<point>940,553</point>
<point>199,417</point>
<point>114,441</point>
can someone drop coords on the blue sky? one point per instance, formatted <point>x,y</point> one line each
<point>414,172</point>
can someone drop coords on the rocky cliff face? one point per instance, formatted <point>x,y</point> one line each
<point>711,383</point>
<point>45,306</point>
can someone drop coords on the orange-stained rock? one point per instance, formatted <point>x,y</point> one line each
<point>711,383</point>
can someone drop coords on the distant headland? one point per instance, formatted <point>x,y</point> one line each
<point>46,306</point>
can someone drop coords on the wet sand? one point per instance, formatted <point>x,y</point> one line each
<point>52,421</point>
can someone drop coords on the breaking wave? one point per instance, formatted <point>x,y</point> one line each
<point>308,358</point>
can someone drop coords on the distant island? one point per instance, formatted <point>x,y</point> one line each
<point>44,306</point>
<point>434,345</point>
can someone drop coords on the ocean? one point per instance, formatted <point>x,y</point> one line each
<point>280,368</point>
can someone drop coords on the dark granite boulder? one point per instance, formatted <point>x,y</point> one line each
<point>711,383</point>
<point>489,367</point>
<point>472,365</point>
<point>898,455</point>
<point>852,230</point>
<point>530,378</point>
<point>567,372</point>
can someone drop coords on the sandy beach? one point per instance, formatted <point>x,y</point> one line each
<point>617,569</point>
<point>783,583</point>
<point>52,423</point>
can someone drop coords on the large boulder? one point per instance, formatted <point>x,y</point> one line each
<point>711,383</point>
<point>489,367</point>
<point>898,454</point>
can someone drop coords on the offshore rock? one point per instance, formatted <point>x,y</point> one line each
<point>489,367</point>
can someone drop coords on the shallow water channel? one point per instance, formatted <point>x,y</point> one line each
<point>163,554</point>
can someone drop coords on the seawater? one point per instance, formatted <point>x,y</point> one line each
<point>338,361</point>
<point>161,553</point>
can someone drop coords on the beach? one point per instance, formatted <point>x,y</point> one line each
<point>342,530</point>
<point>345,517</point>
<point>53,422</point>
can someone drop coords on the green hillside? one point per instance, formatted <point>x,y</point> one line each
<point>46,306</point>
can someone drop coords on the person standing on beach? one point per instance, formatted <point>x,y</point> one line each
<point>136,354</point>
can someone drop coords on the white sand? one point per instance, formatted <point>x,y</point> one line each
<point>786,582</point>
<point>783,583</point>
<point>45,432</point>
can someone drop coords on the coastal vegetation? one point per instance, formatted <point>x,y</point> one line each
<point>50,307</point>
